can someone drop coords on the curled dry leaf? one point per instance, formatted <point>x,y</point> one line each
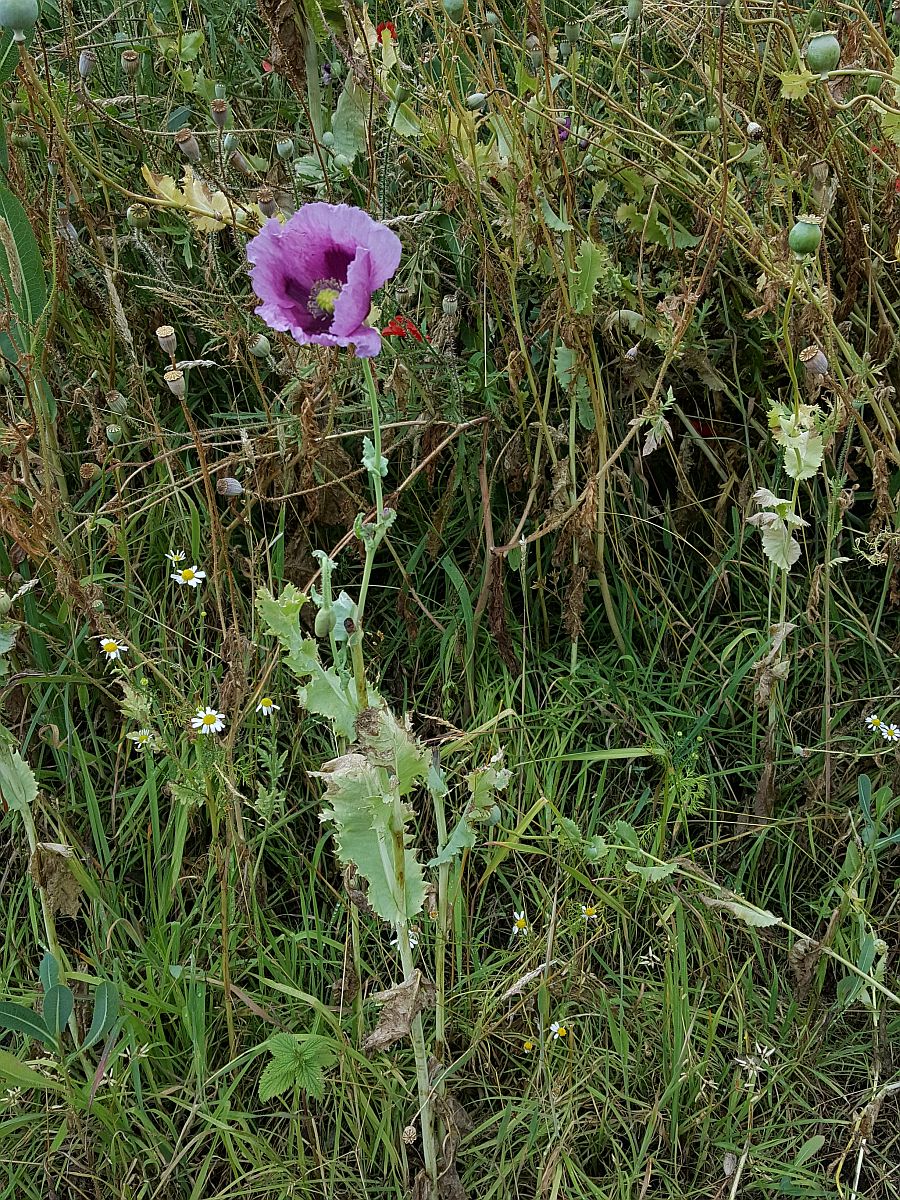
<point>402,1004</point>
<point>51,872</point>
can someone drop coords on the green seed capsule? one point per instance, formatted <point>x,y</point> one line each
<point>823,53</point>
<point>475,100</point>
<point>5,603</point>
<point>805,236</point>
<point>259,346</point>
<point>20,16</point>
<point>713,123</point>
<point>454,9</point>
<point>138,216</point>
<point>634,8</point>
<point>114,434</point>
<point>873,85</point>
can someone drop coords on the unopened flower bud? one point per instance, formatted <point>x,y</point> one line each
<point>327,138</point>
<point>131,62</point>
<point>226,486</point>
<point>265,199</point>
<point>87,60</point>
<point>285,148</point>
<point>175,382</point>
<point>259,346</point>
<point>492,17</point>
<point>219,112</point>
<point>138,216</point>
<point>532,42</point>
<point>230,143</point>
<point>325,622</point>
<point>5,603</point>
<point>165,335</point>
<point>815,361</point>
<point>187,144</point>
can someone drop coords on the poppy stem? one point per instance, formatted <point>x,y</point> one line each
<point>371,535</point>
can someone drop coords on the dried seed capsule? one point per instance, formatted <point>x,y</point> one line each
<point>219,112</point>
<point>265,199</point>
<point>131,62</point>
<point>165,335</point>
<point>449,304</point>
<point>226,486</point>
<point>87,60</point>
<point>815,361</point>
<point>138,216</point>
<point>187,144</point>
<point>175,382</point>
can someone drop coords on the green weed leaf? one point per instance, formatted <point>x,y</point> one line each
<point>58,1005</point>
<point>298,1060</point>
<point>20,262</point>
<point>106,1012</point>
<point>16,1074</point>
<point>350,120</point>
<point>18,786</point>
<point>652,872</point>
<point>22,1020</point>
<point>590,264</point>
<point>49,972</point>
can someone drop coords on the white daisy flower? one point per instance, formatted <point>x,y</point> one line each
<point>189,576</point>
<point>411,936</point>
<point>527,1046</point>
<point>558,1030</point>
<point>208,720</point>
<point>520,923</point>
<point>892,733</point>
<point>176,556</point>
<point>589,912</point>
<point>874,721</point>
<point>143,738</point>
<point>268,707</point>
<point>111,648</point>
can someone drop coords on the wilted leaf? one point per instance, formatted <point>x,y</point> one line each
<point>50,871</point>
<point>795,85</point>
<point>756,918</point>
<point>402,1004</point>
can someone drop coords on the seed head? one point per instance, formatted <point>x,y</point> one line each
<point>87,60</point>
<point>219,111</point>
<point>187,144</point>
<point>175,382</point>
<point>165,335</point>
<point>131,62</point>
<point>265,198</point>
<point>226,486</point>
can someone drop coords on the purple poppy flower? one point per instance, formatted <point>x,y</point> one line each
<point>316,273</point>
<point>563,131</point>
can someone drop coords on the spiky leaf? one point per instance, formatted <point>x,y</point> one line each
<point>298,1060</point>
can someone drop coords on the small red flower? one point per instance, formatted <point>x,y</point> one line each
<point>401,326</point>
<point>267,66</point>
<point>389,26</point>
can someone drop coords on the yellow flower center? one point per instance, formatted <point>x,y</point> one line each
<point>110,647</point>
<point>210,718</point>
<point>325,299</point>
<point>590,911</point>
<point>187,574</point>
<point>562,1031</point>
<point>876,721</point>
<point>528,1046</point>
<point>266,702</point>
<point>521,923</point>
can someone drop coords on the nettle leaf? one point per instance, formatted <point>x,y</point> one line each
<point>18,786</point>
<point>365,808</point>
<point>652,872</point>
<point>590,264</point>
<point>298,1060</point>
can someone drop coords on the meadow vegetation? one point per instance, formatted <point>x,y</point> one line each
<point>468,769</point>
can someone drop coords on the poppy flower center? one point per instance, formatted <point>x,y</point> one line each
<point>322,297</point>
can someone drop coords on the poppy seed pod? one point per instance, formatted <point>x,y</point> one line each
<point>532,42</point>
<point>138,216</point>
<point>487,36</point>
<point>259,346</point>
<point>565,50</point>
<point>175,382</point>
<point>475,100</point>
<point>114,434</point>
<point>815,361</point>
<point>823,53</point>
<point>285,148</point>
<point>265,199</point>
<point>449,304</point>
<point>219,112</point>
<point>226,486</point>
<point>230,143</point>
<point>20,16</point>
<point>239,163</point>
<point>755,131</point>
<point>87,60</point>
<point>805,236</point>
<point>165,335</point>
<point>88,472</point>
<point>187,144</point>
<point>131,62</point>
<point>536,59</point>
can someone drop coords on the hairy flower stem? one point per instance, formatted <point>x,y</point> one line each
<point>372,540</point>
